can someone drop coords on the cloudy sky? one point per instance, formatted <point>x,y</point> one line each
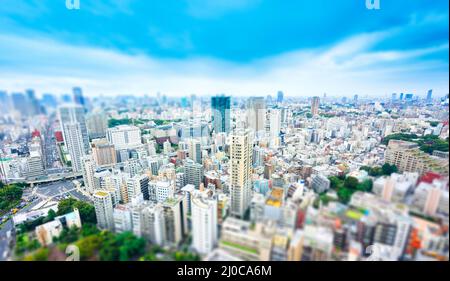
<point>237,47</point>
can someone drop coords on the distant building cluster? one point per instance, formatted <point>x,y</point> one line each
<point>258,179</point>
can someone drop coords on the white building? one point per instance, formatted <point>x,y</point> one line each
<point>104,210</point>
<point>204,223</point>
<point>124,136</point>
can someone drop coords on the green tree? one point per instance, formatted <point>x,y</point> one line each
<point>87,211</point>
<point>335,182</point>
<point>10,196</point>
<point>89,246</point>
<point>376,171</point>
<point>388,169</point>
<point>344,195</point>
<point>351,183</point>
<point>365,186</point>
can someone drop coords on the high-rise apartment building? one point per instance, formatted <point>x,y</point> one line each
<point>88,169</point>
<point>73,138</point>
<point>409,158</point>
<point>241,144</point>
<point>104,210</point>
<point>72,114</point>
<point>204,223</point>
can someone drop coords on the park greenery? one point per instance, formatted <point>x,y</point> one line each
<point>377,171</point>
<point>10,196</point>
<point>87,214</point>
<point>346,186</point>
<point>428,143</point>
<point>127,121</point>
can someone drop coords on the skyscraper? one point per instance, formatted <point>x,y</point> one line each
<point>256,114</point>
<point>74,114</point>
<point>4,102</point>
<point>97,124</point>
<point>430,96</point>
<point>74,143</point>
<point>20,103</point>
<point>204,223</point>
<point>34,106</point>
<point>104,210</point>
<point>275,123</point>
<point>78,97</point>
<point>221,106</point>
<point>241,171</point>
<point>315,103</point>
<point>280,97</point>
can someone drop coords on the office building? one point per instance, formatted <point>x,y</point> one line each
<point>124,136</point>
<point>315,103</point>
<point>221,106</point>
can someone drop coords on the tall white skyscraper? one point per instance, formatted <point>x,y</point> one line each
<point>71,114</point>
<point>73,139</point>
<point>241,144</point>
<point>104,210</point>
<point>275,123</point>
<point>204,223</point>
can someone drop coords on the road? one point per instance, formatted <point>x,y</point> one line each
<point>6,237</point>
<point>53,191</point>
<point>50,150</point>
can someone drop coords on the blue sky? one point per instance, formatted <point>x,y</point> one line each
<point>238,47</point>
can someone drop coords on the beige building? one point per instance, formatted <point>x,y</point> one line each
<point>104,153</point>
<point>240,239</point>
<point>409,158</point>
<point>241,145</point>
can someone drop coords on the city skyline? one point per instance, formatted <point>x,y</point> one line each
<point>114,48</point>
<point>224,131</point>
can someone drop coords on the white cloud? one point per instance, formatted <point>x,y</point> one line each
<point>347,68</point>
